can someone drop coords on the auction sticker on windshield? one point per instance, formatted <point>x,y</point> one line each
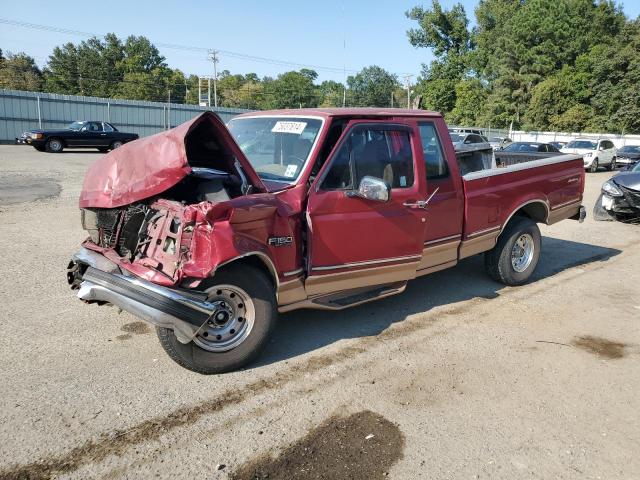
<point>289,127</point>
<point>291,170</point>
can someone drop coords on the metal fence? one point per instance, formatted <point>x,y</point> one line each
<point>20,111</point>
<point>544,137</point>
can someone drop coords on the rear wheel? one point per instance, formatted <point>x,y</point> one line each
<point>594,166</point>
<point>54,145</point>
<point>515,256</point>
<point>237,331</point>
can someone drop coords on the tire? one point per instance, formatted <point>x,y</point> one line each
<point>54,145</point>
<point>613,165</point>
<point>196,357</point>
<point>499,261</point>
<point>103,149</point>
<point>116,144</point>
<point>594,166</point>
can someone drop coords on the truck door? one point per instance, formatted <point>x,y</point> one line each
<point>357,237</point>
<point>445,209</point>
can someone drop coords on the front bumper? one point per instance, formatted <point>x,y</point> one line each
<point>625,160</point>
<point>98,280</point>
<point>628,204</point>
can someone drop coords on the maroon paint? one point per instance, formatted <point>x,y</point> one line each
<point>342,229</point>
<point>149,166</point>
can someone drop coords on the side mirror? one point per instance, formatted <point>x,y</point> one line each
<point>372,188</point>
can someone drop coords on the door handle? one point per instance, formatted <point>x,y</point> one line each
<point>103,134</point>
<point>573,180</point>
<point>418,204</point>
<point>421,203</point>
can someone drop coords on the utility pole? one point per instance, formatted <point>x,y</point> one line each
<point>169,111</point>
<point>213,56</point>
<point>209,92</point>
<point>407,80</point>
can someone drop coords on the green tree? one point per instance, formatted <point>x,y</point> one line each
<point>291,90</point>
<point>471,96</point>
<point>19,72</point>
<point>371,87</point>
<point>331,94</point>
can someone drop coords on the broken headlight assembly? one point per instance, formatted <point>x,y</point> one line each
<point>611,189</point>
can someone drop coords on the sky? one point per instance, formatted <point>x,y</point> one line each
<point>302,32</point>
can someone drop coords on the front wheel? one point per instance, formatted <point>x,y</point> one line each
<point>614,164</point>
<point>116,144</point>
<point>238,329</point>
<point>54,145</point>
<point>515,256</point>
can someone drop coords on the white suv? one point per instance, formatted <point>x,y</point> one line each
<point>595,153</point>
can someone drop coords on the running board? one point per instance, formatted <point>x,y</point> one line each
<point>347,299</point>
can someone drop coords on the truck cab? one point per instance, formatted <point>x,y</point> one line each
<point>208,231</point>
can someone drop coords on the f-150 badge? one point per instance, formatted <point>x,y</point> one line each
<point>280,241</point>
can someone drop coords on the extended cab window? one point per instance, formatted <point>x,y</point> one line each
<point>374,151</point>
<point>435,163</point>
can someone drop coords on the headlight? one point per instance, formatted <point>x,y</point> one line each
<point>611,189</point>
<point>37,136</point>
<point>588,154</point>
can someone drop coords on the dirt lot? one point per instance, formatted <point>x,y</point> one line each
<point>459,377</point>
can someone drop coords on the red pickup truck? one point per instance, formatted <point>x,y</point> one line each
<point>208,231</point>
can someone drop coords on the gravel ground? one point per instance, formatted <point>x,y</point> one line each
<point>459,377</point>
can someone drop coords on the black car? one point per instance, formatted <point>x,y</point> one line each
<point>620,196</point>
<point>530,147</point>
<point>558,145</point>
<point>101,135</point>
<point>628,155</point>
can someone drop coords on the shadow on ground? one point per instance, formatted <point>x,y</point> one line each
<point>303,331</point>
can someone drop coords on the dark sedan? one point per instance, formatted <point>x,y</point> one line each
<point>101,135</point>
<point>628,155</point>
<point>620,196</point>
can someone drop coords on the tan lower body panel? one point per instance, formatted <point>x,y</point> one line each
<point>436,268</point>
<point>478,244</point>
<point>433,255</point>
<point>291,291</point>
<point>336,282</point>
<point>564,212</point>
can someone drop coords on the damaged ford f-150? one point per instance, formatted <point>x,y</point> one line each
<point>208,231</point>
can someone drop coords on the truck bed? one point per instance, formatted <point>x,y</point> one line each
<point>549,188</point>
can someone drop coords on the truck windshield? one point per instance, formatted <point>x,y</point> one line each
<point>586,144</point>
<point>278,148</point>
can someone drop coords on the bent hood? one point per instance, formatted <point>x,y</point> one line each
<point>147,167</point>
<point>631,180</point>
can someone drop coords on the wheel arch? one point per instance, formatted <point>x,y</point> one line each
<point>537,210</point>
<point>257,260</point>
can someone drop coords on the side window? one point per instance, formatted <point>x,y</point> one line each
<point>95,127</point>
<point>376,152</point>
<point>435,163</point>
<point>107,127</point>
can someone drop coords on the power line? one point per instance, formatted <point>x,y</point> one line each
<point>229,53</point>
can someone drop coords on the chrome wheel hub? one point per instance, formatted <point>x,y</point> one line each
<point>231,322</point>
<point>522,253</point>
